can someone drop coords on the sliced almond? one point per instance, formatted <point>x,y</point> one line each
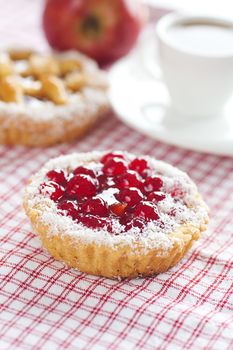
<point>10,89</point>
<point>31,87</point>
<point>6,65</point>
<point>16,54</point>
<point>69,65</point>
<point>53,89</point>
<point>42,65</point>
<point>75,81</point>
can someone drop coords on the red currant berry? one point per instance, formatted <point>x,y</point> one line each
<point>128,179</point>
<point>81,186</point>
<point>138,223</point>
<point>85,171</point>
<point>114,166</point>
<point>57,176</point>
<point>92,221</point>
<point>128,225</point>
<point>153,184</point>
<point>105,182</point>
<point>131,196</point>
<point>135,223</point>
<point>139,165</point>
<point>96,206</point>
<point>102,182</point>
<point>69,208</point>
<point>177,193</point>
<point>172,212</point>
<point>126,219</point>
<point>109,156</point>
<point>156,197</point>
<point>146,211</point>
<point>53,190</point>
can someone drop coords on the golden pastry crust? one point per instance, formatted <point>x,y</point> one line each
<point>119,261</point>
<point>107,255</point>
<point>38,133</point>
<point>49,99</point>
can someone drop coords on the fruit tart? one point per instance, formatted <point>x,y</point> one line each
<point>115,214</point>
<point>49,98</point>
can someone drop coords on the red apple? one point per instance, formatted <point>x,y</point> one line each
<point>103,29</point>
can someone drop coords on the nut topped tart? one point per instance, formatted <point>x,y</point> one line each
<point>49,98</point>
<point>115,214</point>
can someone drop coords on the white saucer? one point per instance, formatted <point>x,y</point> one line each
<point>139,97</point>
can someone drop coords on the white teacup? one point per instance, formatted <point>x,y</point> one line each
<point>196,57</point>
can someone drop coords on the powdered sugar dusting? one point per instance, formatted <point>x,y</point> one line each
<point>108,195</point>
<point>173,211</point>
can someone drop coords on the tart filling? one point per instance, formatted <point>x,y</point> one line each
<point>116,198</point>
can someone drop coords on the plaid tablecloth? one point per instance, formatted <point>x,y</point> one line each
<point>45,305</point>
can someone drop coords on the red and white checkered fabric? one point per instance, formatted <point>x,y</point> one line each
<point>45,305</point>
